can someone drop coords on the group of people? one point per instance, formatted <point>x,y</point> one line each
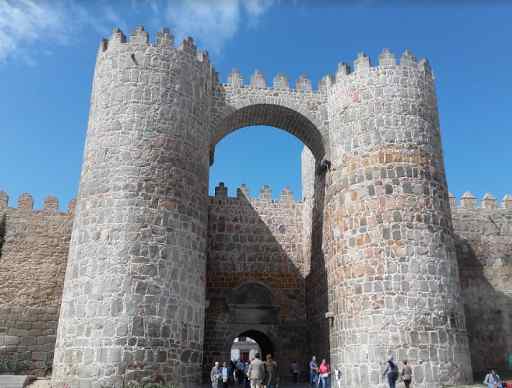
<point>256,374</point>
<point>320,375</point>
<point>265,374</point>
<point>392,373</point>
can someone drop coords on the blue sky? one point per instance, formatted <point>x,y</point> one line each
<point>47,55</point>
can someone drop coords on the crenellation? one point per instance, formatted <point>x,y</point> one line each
<point>188,46</point>
<point>303,84</point>
<point>4,200</point>
<point>507,201</point>
<point>72,206</point>
<point>235,79</point>
<point>424,66</point>
<point>362,62</point>
<point>51,204</point>
<point>280,82</point>
<point>243,192</point>
<point>266,193</point>
<point>164,38</point>
<point>387,58</point>
<point>489,201</point>
<point>258,80</point>
<point>343,70</point>
<point>118,37</point>
<point>26,202</point>
<point>468,200</point>
<point>139,36</point>
<point>221,191</point>
<point>408,58</point>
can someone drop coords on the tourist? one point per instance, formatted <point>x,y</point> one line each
<point>391,372</point>
<point>493,380</point>
<point>215,375</point>
<point>406,374</point>
<point>294,368</point>
<point>313,371</point>
<point>271,373</point>
<point>324,371</point>
<point>337,376</point>
<point>225,375</point>
<point>256,372</point>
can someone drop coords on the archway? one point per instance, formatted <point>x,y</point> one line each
<point>278,116</point>
<point>249,343</point>
<point>256,264</point>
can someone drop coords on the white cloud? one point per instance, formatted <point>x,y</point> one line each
<point>213,22</point>
<point>26,21</point>
<point>27,25</point>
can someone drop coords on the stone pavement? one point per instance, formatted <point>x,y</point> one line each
<point>11,381</point>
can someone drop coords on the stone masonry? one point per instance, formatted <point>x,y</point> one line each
<point>376,260</point>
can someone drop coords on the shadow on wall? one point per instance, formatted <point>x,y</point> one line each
<point>488,310</point>
<point>316,282</point>
<point>256,244</point>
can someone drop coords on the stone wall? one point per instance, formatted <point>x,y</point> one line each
<point>33,252</point>
<point>484,250</point>
<point>256,241</point>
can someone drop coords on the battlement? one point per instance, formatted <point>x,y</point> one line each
<point>258,81</point>
<point>363,63</point>
<point>243,194</point>
<point>25,202</point>
<point>488,202</point>
<point>140,38</point>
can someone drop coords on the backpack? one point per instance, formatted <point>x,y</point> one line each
<point>393,371</point>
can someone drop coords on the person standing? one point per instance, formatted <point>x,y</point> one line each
<point>256,372</point>
<point>294,368</point>
<point>324,371</point>
<point>271,373</point>
<point>406,374</point>
<point>493,380</point>
<point>215,375</point>
<point>313,371</point>
<point>337,376</point>
<point>225,375</point>
<point>391,372</point>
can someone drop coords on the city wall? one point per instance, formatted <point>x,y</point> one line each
<point>251,240</point>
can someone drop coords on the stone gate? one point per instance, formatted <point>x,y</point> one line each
<point>161,278</point>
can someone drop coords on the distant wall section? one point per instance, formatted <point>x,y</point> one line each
<point>484,252</point>
<point>33,252</point>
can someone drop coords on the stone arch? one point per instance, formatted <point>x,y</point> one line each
<point>263,338</point>
<point>252,293</point>
<point>300,114</point>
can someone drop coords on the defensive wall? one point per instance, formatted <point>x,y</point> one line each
<point>250,240</point>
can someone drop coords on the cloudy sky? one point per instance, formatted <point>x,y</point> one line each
<point>48,48</point>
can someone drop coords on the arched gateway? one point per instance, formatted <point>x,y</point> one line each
<point>375,250</point>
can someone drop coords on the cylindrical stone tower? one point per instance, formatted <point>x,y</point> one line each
<point>134,294</point>
<point>392,272</point>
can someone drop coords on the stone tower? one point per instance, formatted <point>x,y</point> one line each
<point>393,281</point>
<point>134,295</point>
<point>135,280</point>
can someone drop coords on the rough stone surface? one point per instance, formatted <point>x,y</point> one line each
<point>33,251</point>
<point>367,265</point>
<point>484,251</point>
<point>256,244</point>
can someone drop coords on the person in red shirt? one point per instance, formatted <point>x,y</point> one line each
<point>324,371</point>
